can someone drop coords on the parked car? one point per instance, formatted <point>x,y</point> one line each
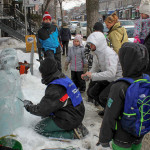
<point>126,22</point>
<point>72,26</point>
<point>81,28</point>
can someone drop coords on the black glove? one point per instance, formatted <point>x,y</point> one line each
<point>103,144</point>
<point>27,104</point>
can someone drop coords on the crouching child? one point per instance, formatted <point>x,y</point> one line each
<point>62,109</point>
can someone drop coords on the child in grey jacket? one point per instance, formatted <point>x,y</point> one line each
<point>78,62</point>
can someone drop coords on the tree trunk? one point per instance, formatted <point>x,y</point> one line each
<point>61,10</point>
<point>92,11</point>
<point>46,6</point>
<point>55,9</point>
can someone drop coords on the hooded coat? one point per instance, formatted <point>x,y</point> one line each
<point>66,116</point>
<point>105,60</point>
<point>117,36</point>
<point>65,33</point>
<point>134,59</point>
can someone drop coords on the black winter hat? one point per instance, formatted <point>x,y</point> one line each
<point>98,27</point>
<point>134,59</point>
<point>48,67</point>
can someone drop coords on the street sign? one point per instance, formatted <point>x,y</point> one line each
<point>34,2</point>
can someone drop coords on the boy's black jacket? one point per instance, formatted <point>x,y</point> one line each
<point>134,59</point>
<point>147,44</point>
<point>66,117</point>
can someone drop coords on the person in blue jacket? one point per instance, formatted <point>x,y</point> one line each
<point>61,108</point>
<point>48,40</point>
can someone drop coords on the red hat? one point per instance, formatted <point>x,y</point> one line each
<point>46,16</point>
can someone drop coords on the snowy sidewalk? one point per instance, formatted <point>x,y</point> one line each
<point>34,90</point>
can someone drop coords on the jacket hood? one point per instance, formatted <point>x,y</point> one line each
<point>134,59</point>
<point>98,39</point>
<point>49,70</point>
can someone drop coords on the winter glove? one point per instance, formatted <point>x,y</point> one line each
<point>136,39</point>
<point>27,104</point>
<point>66,66</point>
<point>85,68</point>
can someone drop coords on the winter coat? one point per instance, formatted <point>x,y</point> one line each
<point>105,60</point>
<point>147,44</point>
<point>65,34</point>
<point>130,53</point>
<point>142,28</point>
<point>76,58</point>
<point>65,115</point>
<point>117,36</point>
<point>48,37</point>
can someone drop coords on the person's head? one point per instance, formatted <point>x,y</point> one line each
<point>97,41</point>
<point>134,59</point>
<point>98,27</point>
<point>47,17</point>
<point>49,70</point>
<point>77,40</point>
<point>111,20</point>
<point>64,24</point>
<point>145,9</point>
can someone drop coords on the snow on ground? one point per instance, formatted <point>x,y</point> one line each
<point>33,90</point>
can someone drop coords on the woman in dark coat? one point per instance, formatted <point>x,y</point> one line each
<point>65,36</point>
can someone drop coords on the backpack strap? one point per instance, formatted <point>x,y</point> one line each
<point>128,80</point>
<point>146,76</point>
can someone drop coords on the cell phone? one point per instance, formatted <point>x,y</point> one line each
<point>86,78</point>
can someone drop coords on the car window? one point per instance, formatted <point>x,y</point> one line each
<point>126,23</point>
<point>74,22</point>
<point>84,24</point>
<point>105,28</point>
<point>130,32</point>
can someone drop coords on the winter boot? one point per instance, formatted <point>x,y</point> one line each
<point>80,132</point>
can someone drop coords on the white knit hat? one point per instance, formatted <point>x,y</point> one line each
<point>79,38</point>
<point>145,7</point>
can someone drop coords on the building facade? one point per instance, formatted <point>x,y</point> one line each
<point>126,9</point>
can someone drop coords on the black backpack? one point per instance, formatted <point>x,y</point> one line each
<point>147,44</point>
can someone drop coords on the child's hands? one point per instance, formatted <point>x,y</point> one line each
<point>66,66</point>
<point>88,74</point>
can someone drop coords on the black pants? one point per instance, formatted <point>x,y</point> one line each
<point>76,78</point>
<point>65,47</point>
<point>99,91</point>
<point>56,56</point>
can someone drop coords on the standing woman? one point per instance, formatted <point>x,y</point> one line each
<point>65,35</point>
<point>116,34</point>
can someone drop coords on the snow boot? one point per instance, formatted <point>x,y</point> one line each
<point>80,132</point>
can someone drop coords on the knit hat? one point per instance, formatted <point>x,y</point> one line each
<point>48,67</point>
<point>64,24</point>
<point>46,16</point>
<point>145,7</point>
<point>79,38</point>
<point>98,27</point>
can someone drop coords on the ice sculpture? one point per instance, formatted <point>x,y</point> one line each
<point>11,109</point>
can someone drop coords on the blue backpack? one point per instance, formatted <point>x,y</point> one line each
<point>136,116</point>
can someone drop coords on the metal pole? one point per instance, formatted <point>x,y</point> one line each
<point>31,58</point>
